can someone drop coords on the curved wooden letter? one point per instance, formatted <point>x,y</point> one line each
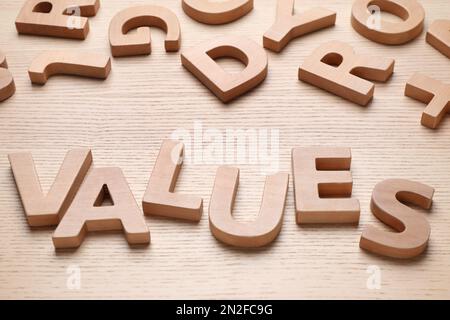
<point>57,18</point>
<point>366,20</point>
<point>319,181</point>
<point>335,68</point>
<point>217,12</point>
<point>159,198</point>
<point>438,36</point>
<point>433,92</point>
<point>87,214</point>
<point>288,26</point>
<point>7,86</point>
<point>47,64</point>
<point>3,63</point>
<point>413,229</point>
<point>48,210</point>
<point>200,62</point>
<point>139,42</point>
<point>255,234</point>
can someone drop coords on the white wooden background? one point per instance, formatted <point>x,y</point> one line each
<point>145,99</point>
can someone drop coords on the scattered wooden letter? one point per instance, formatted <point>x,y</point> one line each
<point>3,63</point>
<point>57,18</point>
<point>7,85</point>
<point>159,198</point>
<point>86,64</point>
<point>318,181</point>
<point>139,42</point>
<point>216,12</point>
<point>432,92</point>
<point>255,234</point>
<point>438,36</point>
<point>86,212</point>
<point>335,68</point>
<point>413,229</point>
<point>200,62</point>
<point>288,26</point>
<point>48,210</point>
<point>367,21</point>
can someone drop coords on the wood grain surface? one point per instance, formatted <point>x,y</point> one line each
<point>124,119</point>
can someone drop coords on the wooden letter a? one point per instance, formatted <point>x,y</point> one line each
<point>87,213</point>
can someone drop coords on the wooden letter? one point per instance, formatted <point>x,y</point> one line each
<point>318,174</point>
<point>49,63</point>
<point>432,92</point>
<point>3,63</point>
<point>48,210</point>
<point>335,68</point>
<point>159,198</point>
<point>366,20</point>
<point>216,12</point>
<point>413,229</point>
<point>57,18</point>
<point>438,36</point>
<point>139,42</point>
<point>255,234</point>
<point>7,86</point>
<point>288,26</point>
<point>200,62</point>
<point>86,212</point>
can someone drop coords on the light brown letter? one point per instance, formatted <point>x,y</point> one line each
<point>413,229</point>
<point>254,234</point>
<point>200,62</point>
<point>433,92</point>
<point>57,18</point>
<point>335,68</point>
<point>366,20</point>
<point>159,198</point>
<point>216,12</point>
<point>49,63</point>
<point>316,178</point>
<point>48,210</point>
<point>438,36</point>
<point>288,26</point>
<point>7,86</point>
<point>124,43</point>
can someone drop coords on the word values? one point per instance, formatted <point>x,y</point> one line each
<point>322,190</point>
